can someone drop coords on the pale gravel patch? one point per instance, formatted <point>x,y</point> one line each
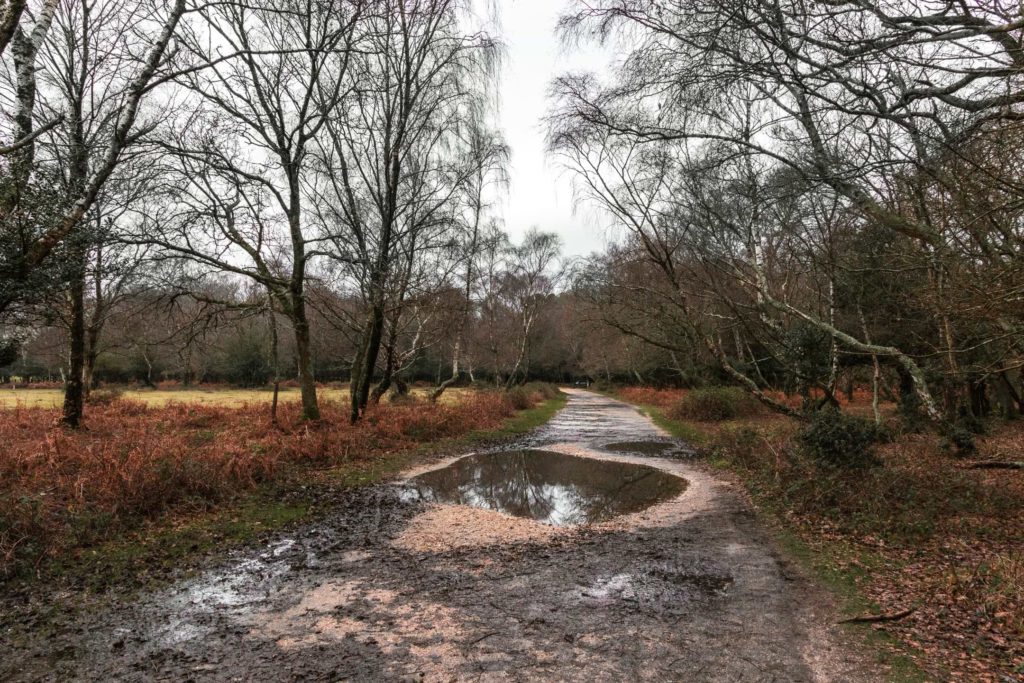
<point>447,527</point>
<point>425,632</point>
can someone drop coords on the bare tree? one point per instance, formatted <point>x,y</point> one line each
<point>79,70</point>
<point>533,274</point>
<point>270,75</point>
<point>813,119</point>
<point>390,159</point>
<point>134,79</point>
<point>489,159</point>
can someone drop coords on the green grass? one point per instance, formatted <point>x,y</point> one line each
<point>525,420</point>
<point>680,430</point>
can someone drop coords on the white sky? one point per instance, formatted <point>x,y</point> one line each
<point>541,192</point>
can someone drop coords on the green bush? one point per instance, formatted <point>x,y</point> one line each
<point>959,439</point>
<point>837,440</point>
<point>714,404</point>
<point>244,361</point>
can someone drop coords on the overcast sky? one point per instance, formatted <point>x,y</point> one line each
<point>541,192</point>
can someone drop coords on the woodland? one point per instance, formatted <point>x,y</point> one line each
<point>815,274</point>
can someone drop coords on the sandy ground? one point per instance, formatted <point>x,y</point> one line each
<point>387,589</point>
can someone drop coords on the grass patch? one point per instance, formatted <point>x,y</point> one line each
<point>204,395</point>
<point>150,555</point>
<point>676,428</point>
<point>525,420</point>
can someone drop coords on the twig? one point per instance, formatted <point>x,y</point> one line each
<point>484,636</point>
<point>875,618</point>
<point>995,465</point>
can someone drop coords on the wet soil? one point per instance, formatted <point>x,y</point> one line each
<point>391,588</point>
<point>665,449</point>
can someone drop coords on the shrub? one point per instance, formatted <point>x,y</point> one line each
<point>545,390</point>
<point>742,447</point>
<point>837,440</point>
<point>649,396</point>
<point>245,363</point>
<point>959,439</point>
<point>527,395</point>
<point>715,404</point>
<point>105,397</point>
<point>401,399</point>
<point>519,398</point>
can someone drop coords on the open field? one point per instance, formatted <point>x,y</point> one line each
<point>136,465</point>
<point>223,397</point>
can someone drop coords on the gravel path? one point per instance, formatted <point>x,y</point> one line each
<point>387,589</point>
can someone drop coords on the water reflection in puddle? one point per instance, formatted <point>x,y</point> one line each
<point>549,487</point>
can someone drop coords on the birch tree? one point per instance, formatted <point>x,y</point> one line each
<point>269,75</point>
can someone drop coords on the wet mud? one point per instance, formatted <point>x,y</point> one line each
<point>390,587</point>
<point>665,449</point>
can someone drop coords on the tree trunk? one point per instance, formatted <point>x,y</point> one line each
<point>275,361</point>
<point>385,381</point>
<point>750,385</point>
<point>520,356</point>
<point>148,379</point>
<point>911,368</point>
<point>186,371</point>
<point>362,371</point>
<point>1014,394</point>
<point>307,382</point>
<point>436,393</point>
<point>74,391</point>
<point>88,374</point>
<point>876,375</point>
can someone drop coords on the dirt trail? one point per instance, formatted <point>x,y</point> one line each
<point>386,589</point>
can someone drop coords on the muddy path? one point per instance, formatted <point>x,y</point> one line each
<point>388,588</point>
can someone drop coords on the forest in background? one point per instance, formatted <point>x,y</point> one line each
<point>808,199</point>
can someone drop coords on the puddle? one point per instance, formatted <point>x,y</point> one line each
<point>549,487</point>
<point>642,447</point>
